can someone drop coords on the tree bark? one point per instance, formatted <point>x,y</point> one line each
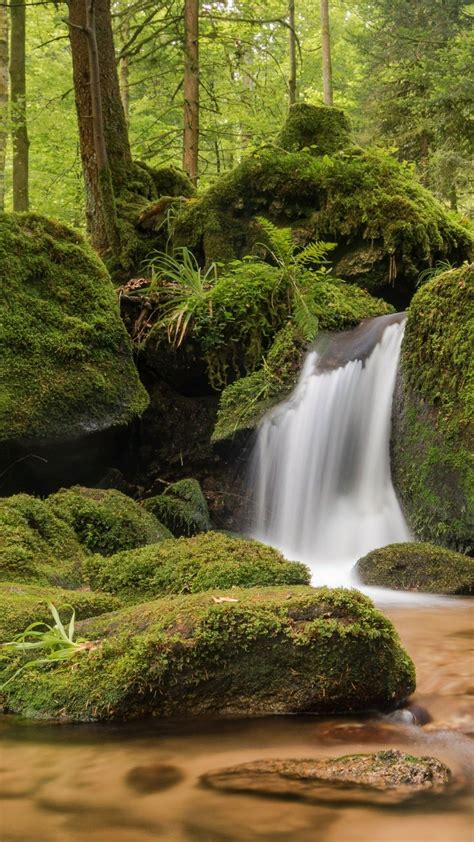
<point>326,53</point>
<point>191,89</point>
<point>18,106</point>
<point>114,129</point>
<point>292,45</point>
<point>3,99</point>
<point>125,88</point>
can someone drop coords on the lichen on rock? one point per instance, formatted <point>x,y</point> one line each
<point>242,652</point>
<point>418,567</point>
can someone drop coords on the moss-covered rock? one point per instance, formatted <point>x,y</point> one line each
<point>433,434</point>
<point>182,508</point>
<point>190,565</point>
<point>36,545</point>
<point>66,368</point>
<point>21,605</point>
<point>418,567</point>
<point>386,225</point>
<point>106,521</point>
<point>387,777</point>
<point>320,130</point>
<point>337,306</point>
<point>268,651</point>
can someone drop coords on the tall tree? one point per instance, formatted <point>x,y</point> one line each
<point>3,99</point>
<point>292,45</point>
<point>191,89</point>
<point>326,52</point>
<point>105,148</point>
<point>18,105</point>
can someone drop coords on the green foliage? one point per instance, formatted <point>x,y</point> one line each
<point>418,567</point>
<point>54,643</point>
<point>106,521</point>
<point>253,651</point>
<point>22,604</point>
<point>433,441</point>
<point>36,545</point>
<point>66,367</point>
<point>189,565</point>
<point>182,508</point>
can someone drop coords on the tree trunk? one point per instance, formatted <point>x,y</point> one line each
<point>18,104</point>
<point>326,53</point>
<point>114,127</point>
<point>3,99</point>
<point>191,89</point>
<point>292,45</point>
<point>125,88</point>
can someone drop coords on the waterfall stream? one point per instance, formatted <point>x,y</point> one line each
<point>322,491</point>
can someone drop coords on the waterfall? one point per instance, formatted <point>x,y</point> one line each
<point>321,486</point>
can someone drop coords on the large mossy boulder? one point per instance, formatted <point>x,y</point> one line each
<point>36,545</point>
<point>22,604</point>
<point>182,508</point>
<point>66,368</point>
<point>386,225</point>
<point>106,521</point>
<point>190,565</point>
<point>418,567</point>
<point>433,435</point>
<point>269,651</point>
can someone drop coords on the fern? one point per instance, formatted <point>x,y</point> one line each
<point>314,252</point>
<point>282,245</point>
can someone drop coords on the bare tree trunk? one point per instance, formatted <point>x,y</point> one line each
<point>113,129</point>
<point>191,89</point>
<point>18,104</point>
<point>292,45</point>
<point>326,52</point>
<point>125,88</point>
<point>3,99</point>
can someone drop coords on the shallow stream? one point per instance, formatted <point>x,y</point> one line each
<point>62,783</point>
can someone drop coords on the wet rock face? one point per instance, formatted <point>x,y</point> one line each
<point>387,777</point>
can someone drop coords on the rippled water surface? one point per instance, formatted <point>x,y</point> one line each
<point>76,783</point>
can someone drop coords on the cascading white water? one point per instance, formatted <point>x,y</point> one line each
<point>321,484</point>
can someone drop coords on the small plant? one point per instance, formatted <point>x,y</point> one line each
<point>433,271</point>
<point>186,286</point>
<point>53,642</point>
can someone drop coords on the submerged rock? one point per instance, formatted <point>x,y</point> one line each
<point>66,365</point>
<point>433,427</point>
<point>182,508</point>
<point>242,652</point>
<point>387,777</point>
<point>190,565</point>
<point>418,567</point>
<point>106,521</point>
<point>153,778</point>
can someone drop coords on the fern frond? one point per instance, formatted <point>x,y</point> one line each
<point>304,315</point>
<point>314,252</point>
<point>280,239</point>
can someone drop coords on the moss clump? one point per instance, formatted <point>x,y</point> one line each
<point>182,508</point>
<point>270,651</point>
<point>106,521</point>
<point>36,545</point>
<point>66,366</point>
<point>418,567</point>
<point>190,565</point>
<point>337,306</point>
<point>386,225</point>
<point>434,433</point>
<point>21,605</point>
<point>320,130</point>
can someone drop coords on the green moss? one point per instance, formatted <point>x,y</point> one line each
<point>66,367</point>
<point>418,567</point>
<point>21,605</point>
<point>433,435</point>
<point>337,306</point>
<point>182,508</point>
<point>387,226</point>
<point>106,521</point>
<point>320,130</point>
<point>190,565</point>
<point>270,651</point>
<point>36,545</point>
